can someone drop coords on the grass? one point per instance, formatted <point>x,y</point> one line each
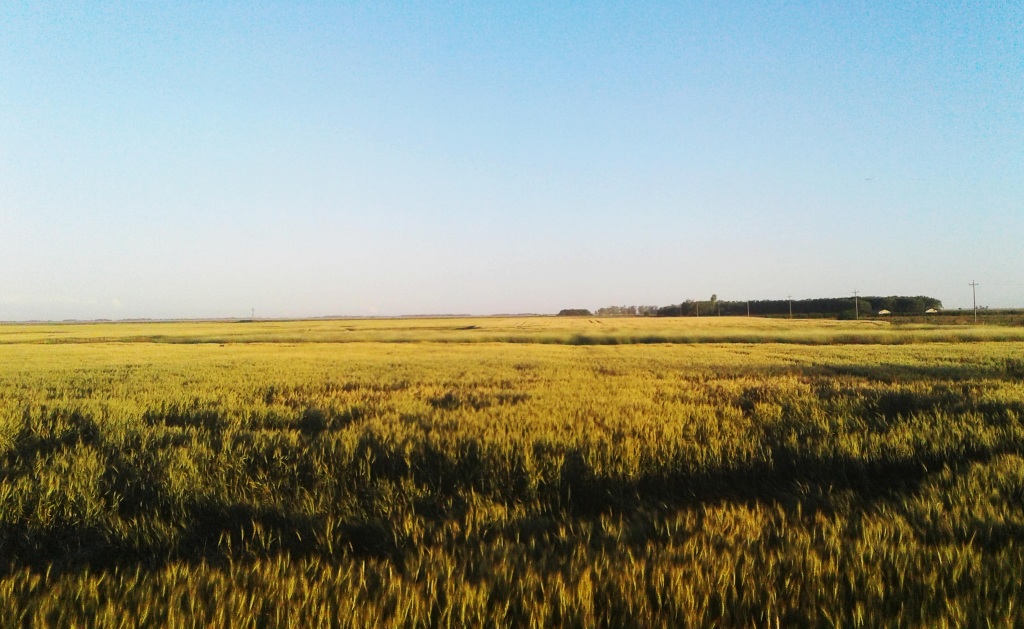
<point>263,474</point>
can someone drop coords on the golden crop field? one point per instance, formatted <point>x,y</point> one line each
<point>511,472</point>
<point>553,330</point>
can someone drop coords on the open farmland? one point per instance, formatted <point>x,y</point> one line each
<point>517,471</point>
<point>549,330</point>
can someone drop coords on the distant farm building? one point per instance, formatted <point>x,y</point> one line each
<point>931,311</point>
<point>884,312</point>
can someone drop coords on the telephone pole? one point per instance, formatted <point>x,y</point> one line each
<point>856,305</point>
<point>974,298</point>
<point>790,298</point>
<point>748,307</point>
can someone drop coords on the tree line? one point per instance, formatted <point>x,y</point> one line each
<point>818,307</point>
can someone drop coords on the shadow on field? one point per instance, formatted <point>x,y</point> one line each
<point>1011,370</point>
<point>1008,369</point>
<point>211,532</point>
<point>789,480</point>
<point>112,502</point>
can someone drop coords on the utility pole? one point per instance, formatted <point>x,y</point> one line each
<point>748,307</point>
<point>696,305</point>
<point>974,298</point>
<point>790,298</point>
<point>856,305</point>
<point>253,313</point>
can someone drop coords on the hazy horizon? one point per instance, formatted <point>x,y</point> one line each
<point>201,160</point>
<point>255,316</point>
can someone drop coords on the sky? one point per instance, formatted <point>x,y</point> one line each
<point>211,159</point>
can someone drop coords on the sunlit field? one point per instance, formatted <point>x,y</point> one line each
<point>554,330</point>
<point>512,471</point>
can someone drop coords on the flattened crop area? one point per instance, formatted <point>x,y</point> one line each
<point>376,483</point>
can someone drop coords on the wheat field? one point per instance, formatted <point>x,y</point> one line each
<point>511,472</point>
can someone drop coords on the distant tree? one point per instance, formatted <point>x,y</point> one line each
<point>906,305</point>
<point>618,311</point>
<point>575,312</point>
<point>819,307</point>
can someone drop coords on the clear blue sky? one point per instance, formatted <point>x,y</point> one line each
<point>199,160</point>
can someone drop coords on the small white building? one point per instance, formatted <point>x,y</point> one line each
<point>883,311</point>
<point>931,311</point>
